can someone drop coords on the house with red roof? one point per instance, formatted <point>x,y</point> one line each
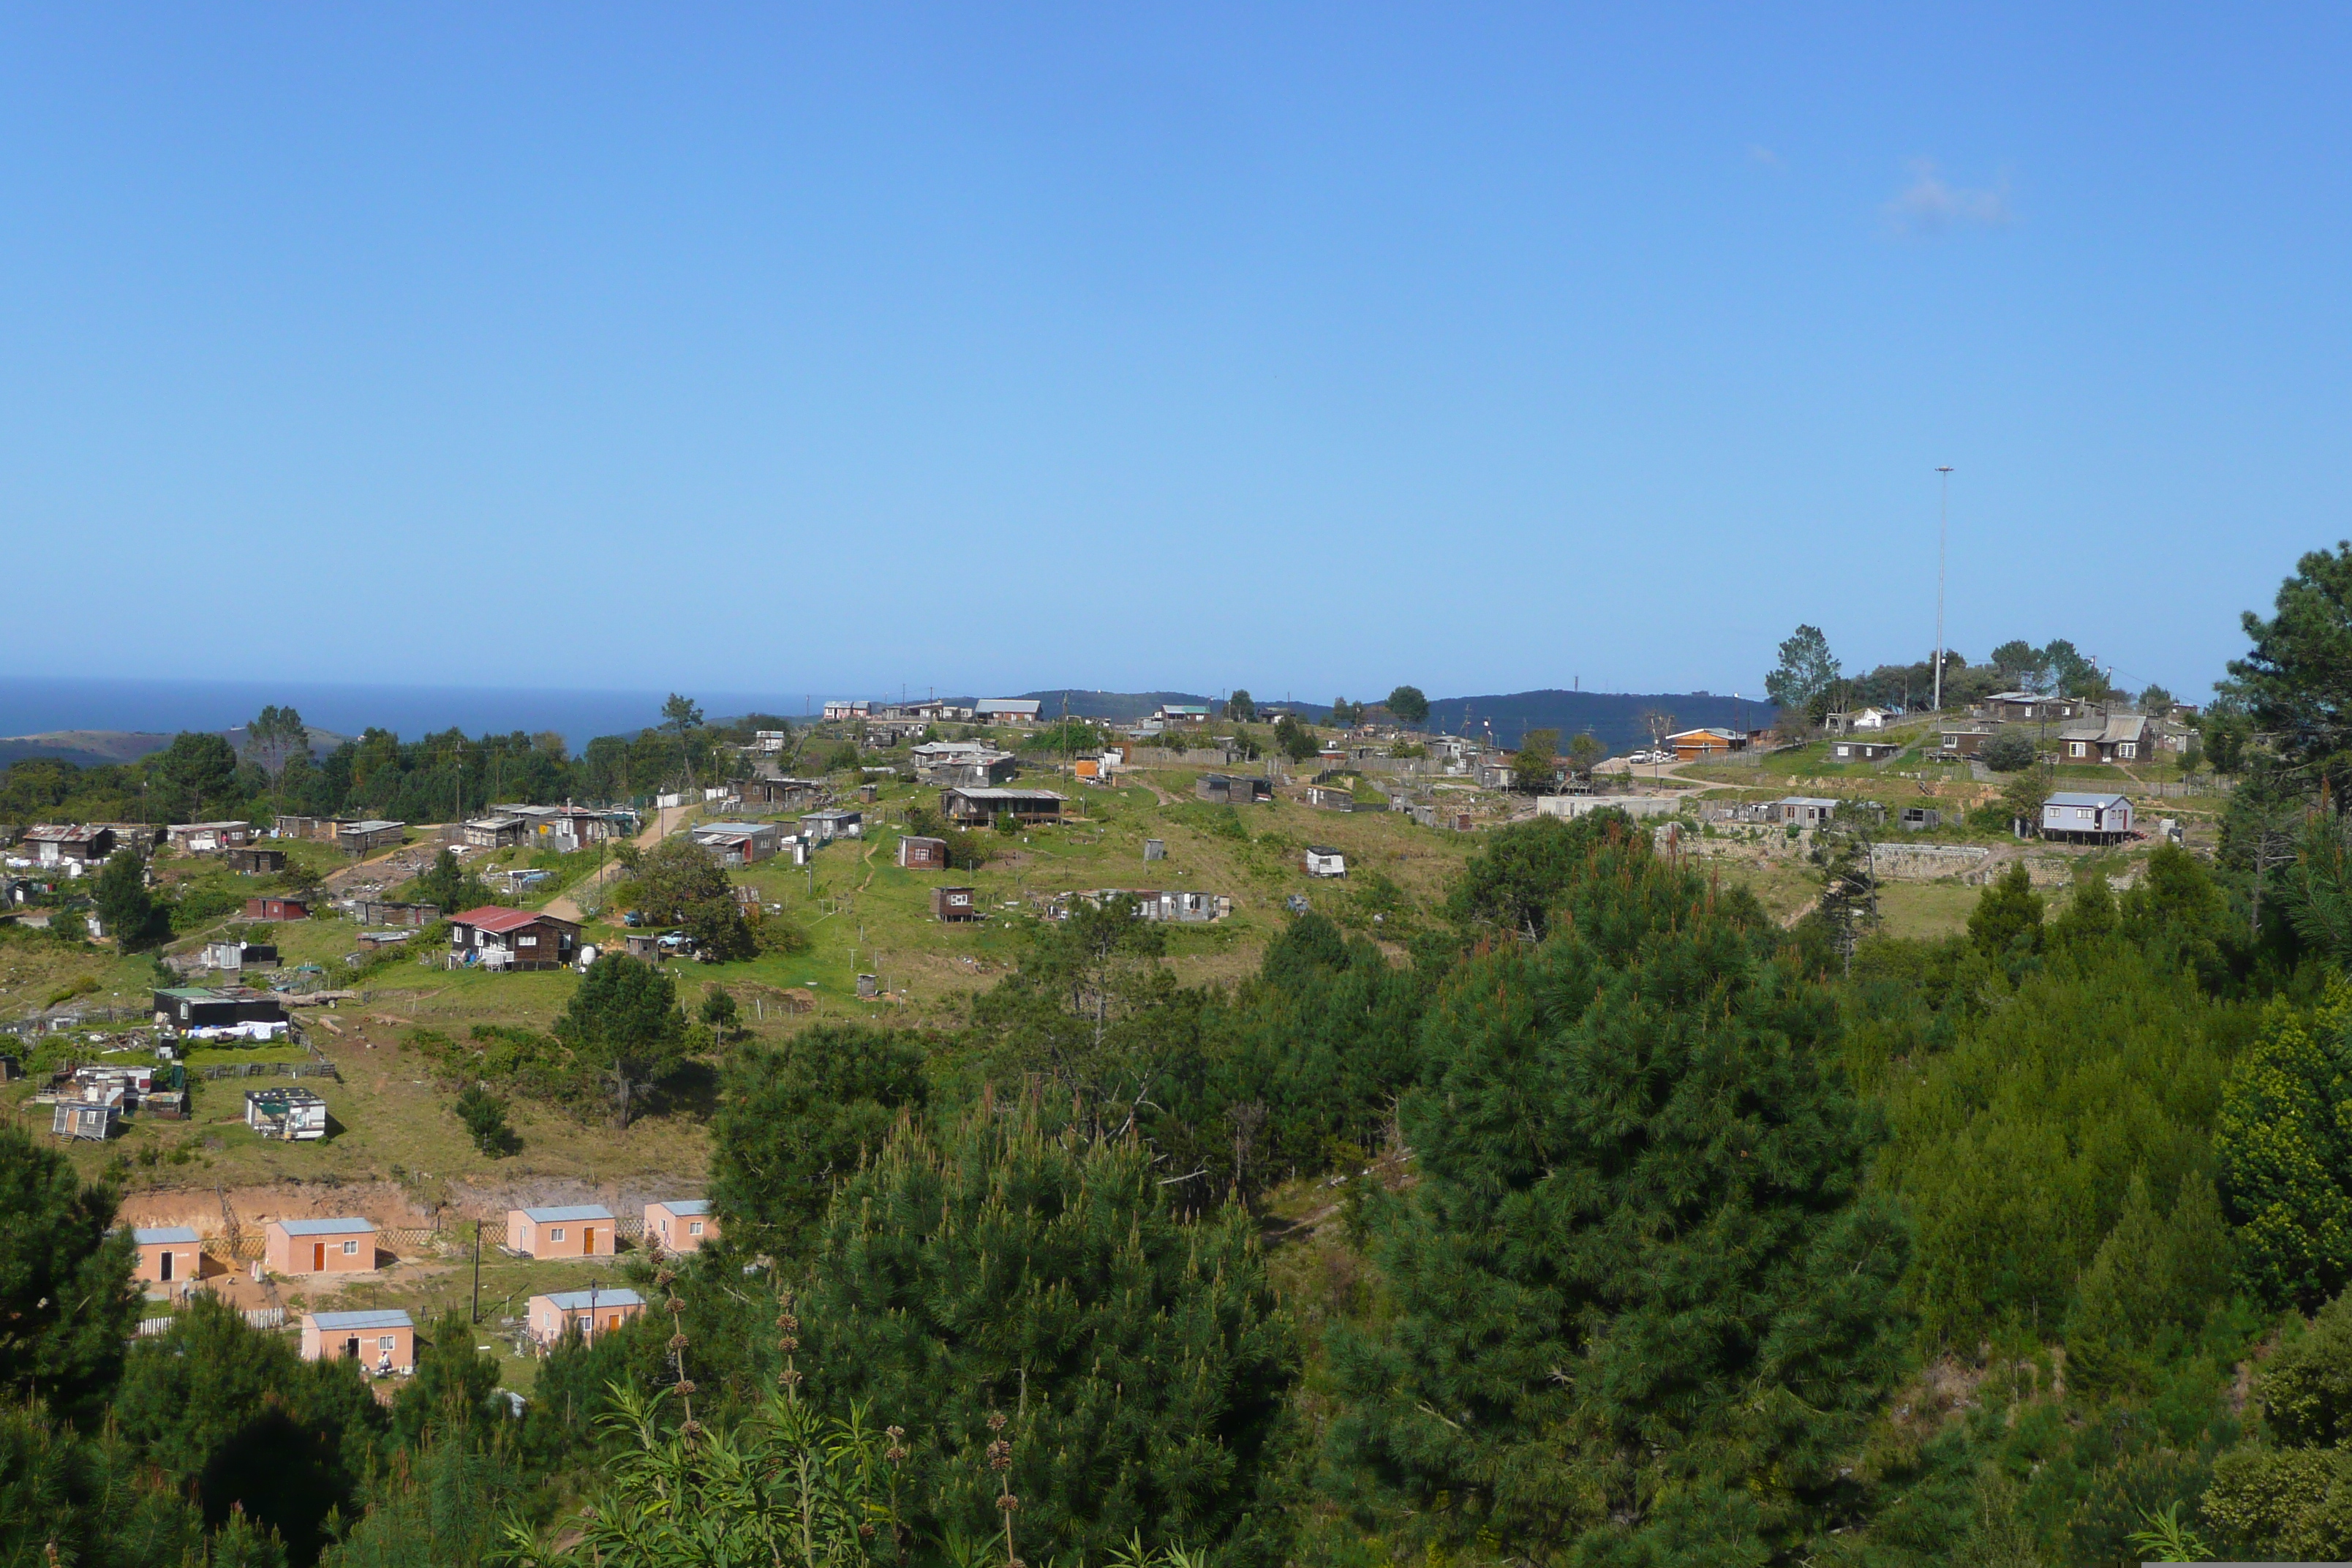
<point>500,938</point>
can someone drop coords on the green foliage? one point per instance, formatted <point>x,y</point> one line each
<point>2008,751</point>
<point>448,887</point>
<point>1411,708</point>
<point>485,1118</point>
<point>2291,1497</point>
<point>2149,1287</point>
<point>1240,708</point>
<point>199,770</point>
<point>66,1499</point>
<point>2296,679</point>
<point>1800,683</point>
<point>843,758</point>
<point>1294,740</point>
<point>2284,1141</point>
<point>254,1427</point>
<point>719,1012</point>
<point>1638,1277</point>
<point>1005,1264</point>
<point>449,1395</point>
<point>623,1026</point>
<point>2007,923</point>
<point>2016,1150</point>
<point>1527,869</point>
<point>128,912</point>
<point>1535,765</point>
<point>445,1502</point>
<point>796,1120</point>
<point>65,1303</point>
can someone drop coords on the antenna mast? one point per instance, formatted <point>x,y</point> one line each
<point>1942,530</point>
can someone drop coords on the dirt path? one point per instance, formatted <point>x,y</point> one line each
<point>667,820</point>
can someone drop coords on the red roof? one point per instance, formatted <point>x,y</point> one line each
<point>490,917</point>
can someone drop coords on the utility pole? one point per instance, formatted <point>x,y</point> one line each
<point>1943,529</point>
<point>477,1271</point>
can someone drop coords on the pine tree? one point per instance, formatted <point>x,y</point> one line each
<point>1637,1275</point>
<point>65,1303</point>
<point>2284,1139</point>
<point>1007,1268</point>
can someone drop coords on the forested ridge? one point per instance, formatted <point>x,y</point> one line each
<point>1643,1230</point>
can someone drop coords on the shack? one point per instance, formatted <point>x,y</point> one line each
<point>294,1115</point>
<point>168,1253</point>
<point>978,807</point>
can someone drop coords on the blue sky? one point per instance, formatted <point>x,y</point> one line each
<point>1305,349</point>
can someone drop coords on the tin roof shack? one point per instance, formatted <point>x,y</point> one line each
<point>572,1230</point>
<point>680,1224</point>
<point>2024,707</point>
<point>374,912</point>
<point>739,843</point>
<point>978,807</point>
<point>1151,904</point>
<point>168,1253</point>
<point>1801,810</point>
<point>824,826</point>
<point>207,838</point>
<point>68,843</point>
<point>276,909</point>
<point>1633,806</point>
<point>1863,751</point>
<point>1005,711</point>
<point>512,939</point>
<point>87,1110</point>
<point>922,854</point>
<point>215,1007</point>
<point>383,1342</point>
<point>365,838</point>
<point>2117,737</point>
<point>319,829</point>
<point>234,956</point>
<point>256,862</point>
<point>964,763</point>
<point>787,794</point>
<point>955,905</point>
<point>1181,713</point>
<point>344,1246</point>
<point>2084,818</point>
<point>1322,860</point>
<point>1700,745</point>
<point>496,832</point>
<point>1233,791</point>
<point>1331,796</point>
<point>290,1115</point>
<point>1920,818</point>
<point>592,1313</point>
<point>567,828</point>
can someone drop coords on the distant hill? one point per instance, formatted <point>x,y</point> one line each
<point>98,748</point>
<point>1613,717</point>
<point>1119,707</point>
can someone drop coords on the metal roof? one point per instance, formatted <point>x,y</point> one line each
<point>384,1318</point>
<point>1808,800</point>
<point>578,1300</point>
<point>373,824</point>
<point>343,1226</point>
<point>1008,795</point>
<point>1323,849</point>
<point>574,1211</point>
<point>76,833</point>
<point>2078,798</point>
<point>496,823</point>
<point>687,1205</point>
<point>491,917</point>
<point>1006,705</point>
<point>157,1235</point>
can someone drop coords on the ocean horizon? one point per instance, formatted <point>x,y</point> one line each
<point>43,705</point>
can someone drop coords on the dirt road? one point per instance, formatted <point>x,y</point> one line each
<point>667,821</point>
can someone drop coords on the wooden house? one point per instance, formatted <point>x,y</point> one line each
<point>62,844</point>
<point>253,861</point>
<point>1863,751</point>
<point>2024,707</point>
<point>276,909</point>
<point>824,826</point>
<point>592,1312</point>
<point>168,1253</point>
<point>1005,711</point>
<point>513,939</point>
<point>382,1341</point>
<point>955,905</point>
<point>1332,796</point>
<point>380,912</point>
<point>345,1246</point>
<point>681,1225</point>
<point>207,838</point>
<point>916,854</point>
<point>1232,791</point>
<point>573,1230</point>
<point>978,807</point>
<point>496,832</point>
<point>215,1007</point>
<point>2087,818</point>
<point>739,843</point>
<point>2117,737</point>
<point>1701,745</point>
<point>1802,811</point>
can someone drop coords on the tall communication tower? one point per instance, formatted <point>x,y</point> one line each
<point>1943,531</point>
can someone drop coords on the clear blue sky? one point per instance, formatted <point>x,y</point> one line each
<point>1309,349</point>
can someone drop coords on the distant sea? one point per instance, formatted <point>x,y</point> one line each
<point>40,706</point>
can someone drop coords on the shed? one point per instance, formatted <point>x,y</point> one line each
<point>496,832</point>
<point>739,843</point>
<point>296,1115</point>
<point>1331,796</point>
<point>344,1246</point>
<point>2087,818</point>
<point>1005,711</point>
<point>1234,791</point>
<point>379,912</point>
<point>955,904</point>
<point>1698,745</point>
<point>57,844</point>
<point>210,1007</point>
<point>592,1313</point>
<point>256,862</point>
<point>90,1116</point>
<point>365,838</point>
<point>1863,751</point>
<point>168,1253</point>
<point>680,1224</point>
<point>824,826</point>
<point>1801,810</point>
<point>2115,737</point>
<point>207,838</point>
<point>1920,818</point>
<point>1322,860</point>
<point>275,909</point>
<point>922,854</point>
<point>383,1342</point>
<point>575,1230</point>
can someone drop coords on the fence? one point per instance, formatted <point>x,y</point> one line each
<point>271,1069</point>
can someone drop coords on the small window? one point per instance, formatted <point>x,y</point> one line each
<point>694,1227</point>
<point>351,1249</point>
<point>383,1343</point>
<point>555,1234</point>
<point>2129,749</point>
<point>2079,749</point>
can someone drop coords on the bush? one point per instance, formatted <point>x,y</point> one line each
<point>485,1116</point>
<point>2008,753</point>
